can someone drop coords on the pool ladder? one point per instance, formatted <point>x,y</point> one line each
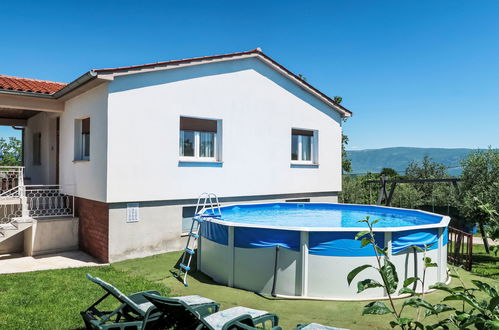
<point>205,201</point>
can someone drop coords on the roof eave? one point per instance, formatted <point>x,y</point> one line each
<point>24,93</point>
<point>256,53</point>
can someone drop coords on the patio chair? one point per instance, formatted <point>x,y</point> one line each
<point>316,326</point>
<point>135,311</point>
<point>186,318</point>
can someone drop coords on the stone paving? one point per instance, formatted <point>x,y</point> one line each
<point>71,259</point>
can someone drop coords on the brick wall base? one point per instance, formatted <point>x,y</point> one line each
<point>93,227</point>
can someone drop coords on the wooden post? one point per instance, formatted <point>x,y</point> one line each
<point>382,191</point>
<point>392,190</point>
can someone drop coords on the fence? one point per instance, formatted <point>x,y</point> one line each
<point>11,178</point>
<point>48,201</point>
<point>460,248</point>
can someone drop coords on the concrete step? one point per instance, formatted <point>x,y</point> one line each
<point>16,226</point>
<point>22,219</point>
<point>7,226</point>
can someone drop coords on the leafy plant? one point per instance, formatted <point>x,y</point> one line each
<point>483,314</point>
<point>389,282</point>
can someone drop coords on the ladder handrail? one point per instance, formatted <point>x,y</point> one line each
<point>208,200</point>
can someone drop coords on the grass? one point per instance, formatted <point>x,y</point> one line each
<point>53,299</point>
<point>484,264</point>
<point>291,312</point>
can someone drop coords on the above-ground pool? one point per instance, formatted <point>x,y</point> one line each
<point>306,250</point>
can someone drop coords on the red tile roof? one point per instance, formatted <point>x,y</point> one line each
<point>29,85</point>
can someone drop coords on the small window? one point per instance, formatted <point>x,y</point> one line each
<point>37,149</point>
<point>82,139</point>
<point>187,215</point>
<point>303,146</point>
<point>198,139</point>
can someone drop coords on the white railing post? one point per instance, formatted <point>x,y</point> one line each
<point>24,202</point>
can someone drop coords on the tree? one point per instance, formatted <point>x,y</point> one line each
<point>10,152</point>
<point>432,193</point>
<point>480,186</point>
<point>426,169</point>
<point>346,163</point>
<point>389,172</point>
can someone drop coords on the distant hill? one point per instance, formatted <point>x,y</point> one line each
<point>398,158</point>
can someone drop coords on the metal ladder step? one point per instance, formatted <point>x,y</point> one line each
<point>187,268</point>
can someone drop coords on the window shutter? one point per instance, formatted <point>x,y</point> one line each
<point>302,132</point>
<point>85,126</point>
<point>199,125</point>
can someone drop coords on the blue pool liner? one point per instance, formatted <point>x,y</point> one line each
<point>245,237</point>
<point>445,234</point>
<point>215,232</point>
<point>402,240</point>
<point>341,244</point>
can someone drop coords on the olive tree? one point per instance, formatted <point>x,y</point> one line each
<point>10,152</point>
<point>480,186</point>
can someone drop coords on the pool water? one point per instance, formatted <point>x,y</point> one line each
<point>323,215</point>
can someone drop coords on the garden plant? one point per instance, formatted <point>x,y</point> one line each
<point>482,314</point>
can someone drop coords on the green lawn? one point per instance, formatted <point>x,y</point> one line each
<point>53,299</point>
<point>485,264</point>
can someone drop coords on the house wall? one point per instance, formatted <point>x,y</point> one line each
<point>257,106</point>
<point>44,123</point>
<point>51,235</point>
<point>86,179</point>
<point>159,228</point>
<point>93,229</point>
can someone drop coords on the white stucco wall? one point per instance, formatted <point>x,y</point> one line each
<point>257,106</point>
<point>44,123</point>
<point>86,178</point>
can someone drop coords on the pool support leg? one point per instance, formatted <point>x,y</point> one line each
<point>276,265</point>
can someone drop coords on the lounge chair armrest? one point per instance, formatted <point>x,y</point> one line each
<point>267,317</point>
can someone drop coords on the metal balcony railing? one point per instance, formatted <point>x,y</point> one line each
<point>18,200</point>
<point>11,178</point>
<point>48,201</point>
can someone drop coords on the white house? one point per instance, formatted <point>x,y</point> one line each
<point>150,138</point>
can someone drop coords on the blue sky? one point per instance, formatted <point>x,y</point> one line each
<point>415,73</point>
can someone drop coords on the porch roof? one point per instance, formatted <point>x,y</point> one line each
<point>29,85</point>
